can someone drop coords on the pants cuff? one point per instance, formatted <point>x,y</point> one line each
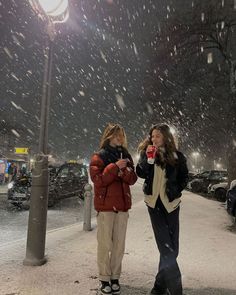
<point>104,278</point>
<point>115,277</point>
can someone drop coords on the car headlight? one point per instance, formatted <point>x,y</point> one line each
<point>10,185</point>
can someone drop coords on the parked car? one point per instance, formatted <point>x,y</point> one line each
<point>231,199</point>
<point>52,169</point>
<point>18,193</point>
<point>218,191</point>
<point>201,181</point>
<point>191,176</point>
<point>69,180</point>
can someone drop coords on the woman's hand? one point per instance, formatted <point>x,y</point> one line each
<point>151,150</point>
<point>122,163</point>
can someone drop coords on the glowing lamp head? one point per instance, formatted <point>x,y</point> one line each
<point>56,10</point>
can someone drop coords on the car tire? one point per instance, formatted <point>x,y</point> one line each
<point>10,206</point>
<point>51,202</point>
<point>195,187</point>
<point>52,198</point>
<point>25,205</point>
<point>220,194</point>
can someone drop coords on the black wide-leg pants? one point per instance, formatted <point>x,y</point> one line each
<point>166,230</point>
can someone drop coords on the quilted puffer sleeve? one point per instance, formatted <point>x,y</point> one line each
<point>102,176</point>
<point>129,176</point>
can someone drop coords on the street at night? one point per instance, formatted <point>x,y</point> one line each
<point>14,220</point>
<point>206,257</point>
<point>117,147</point>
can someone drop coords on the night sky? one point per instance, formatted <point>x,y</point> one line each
<point>113,62</point>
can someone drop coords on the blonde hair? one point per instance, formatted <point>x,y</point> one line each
<point>111,131</point>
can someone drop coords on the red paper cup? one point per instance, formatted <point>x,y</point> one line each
<point>151,154</point>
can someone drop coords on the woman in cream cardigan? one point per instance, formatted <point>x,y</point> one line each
<point>164,181</point>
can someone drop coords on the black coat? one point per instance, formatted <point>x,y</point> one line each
<point>111,154</point>
<point>177,175</point>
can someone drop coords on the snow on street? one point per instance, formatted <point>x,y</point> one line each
<point>207,255</point>
<point>207,247</point>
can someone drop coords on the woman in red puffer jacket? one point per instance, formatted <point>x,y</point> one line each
<point>112,172</point>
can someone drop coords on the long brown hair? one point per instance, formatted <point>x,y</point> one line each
<point>169,143</point>
<point>110,131</point>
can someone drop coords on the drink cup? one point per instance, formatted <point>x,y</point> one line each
<point>151,154</point>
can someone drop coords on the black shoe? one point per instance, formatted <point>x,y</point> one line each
<point>157,291</point>
<point>105,288</point>
<point>115,287</point>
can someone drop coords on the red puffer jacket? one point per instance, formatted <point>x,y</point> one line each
<point>111,192</point>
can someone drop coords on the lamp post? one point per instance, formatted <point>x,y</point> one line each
<point>218,166</point>
<point>195,156</point>
<point>53,11</point>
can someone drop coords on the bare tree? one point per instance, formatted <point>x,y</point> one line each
<point>196,59</point>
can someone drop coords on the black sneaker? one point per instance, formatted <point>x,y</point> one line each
<point>115,287</point>
<point>105,288</point>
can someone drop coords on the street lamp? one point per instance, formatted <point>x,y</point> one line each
<point>51,11</point>
<point>218,166</point>
<point>195,156</point>
<point>57,11</point>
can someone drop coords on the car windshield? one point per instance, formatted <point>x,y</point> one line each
<point>218,175</point>
<point>205,174</point>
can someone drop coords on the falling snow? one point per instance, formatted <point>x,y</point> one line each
<point>136,63</point>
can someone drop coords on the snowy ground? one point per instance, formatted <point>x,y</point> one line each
<point>14,222</point>
<point>207,256</point>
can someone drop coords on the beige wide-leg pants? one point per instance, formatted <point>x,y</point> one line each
<point>111,243</point>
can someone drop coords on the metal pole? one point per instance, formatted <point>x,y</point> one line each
<point>45,106</point>
<point>87,207</point>
<point>37,223</point>
<point>196,163</point>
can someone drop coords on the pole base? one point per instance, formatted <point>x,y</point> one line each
<point>37,223</point>
<point>34,262</point>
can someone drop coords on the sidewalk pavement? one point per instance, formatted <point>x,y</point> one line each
<point>3,189</point>
<point>71,268</point>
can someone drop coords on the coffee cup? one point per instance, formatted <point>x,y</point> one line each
<point>151,154</point>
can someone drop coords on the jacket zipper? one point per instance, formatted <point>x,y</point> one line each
<point>123,194</point>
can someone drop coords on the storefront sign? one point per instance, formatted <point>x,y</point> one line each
<point>21,151</point>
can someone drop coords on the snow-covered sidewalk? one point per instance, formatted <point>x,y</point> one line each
<point>207,256</point>
<point>3,189</point>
